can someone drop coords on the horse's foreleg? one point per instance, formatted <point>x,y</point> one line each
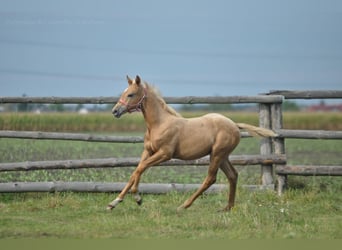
<point>128,186</point>
<point>158,157</point>
<point>132,180</point>
<point>232,176</point>
<point>122,194</point>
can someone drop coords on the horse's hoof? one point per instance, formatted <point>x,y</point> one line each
<point>139,202</point>
<point>222,210</point>
<point>109,208</point>
<point>138,199</point>
<point>180,209</point>
<point>226,209</point>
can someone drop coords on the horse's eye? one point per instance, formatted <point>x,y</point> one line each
<point>130,95</point>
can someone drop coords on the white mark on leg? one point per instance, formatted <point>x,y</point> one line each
<point>114,203</point>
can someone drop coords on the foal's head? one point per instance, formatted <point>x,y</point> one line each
<point>131,99</point>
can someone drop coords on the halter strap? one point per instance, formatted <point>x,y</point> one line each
<point>135,107</point>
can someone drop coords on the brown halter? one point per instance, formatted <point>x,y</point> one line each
<point>135,107</point>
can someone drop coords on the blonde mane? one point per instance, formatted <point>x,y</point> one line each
<point>160,99</point>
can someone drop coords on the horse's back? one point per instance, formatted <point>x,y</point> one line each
<point>227,133</point>
<point>221,122</point>
<point>218,118</point>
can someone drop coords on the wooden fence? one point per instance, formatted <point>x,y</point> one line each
<point>276,118</point>
<point>272,151</point>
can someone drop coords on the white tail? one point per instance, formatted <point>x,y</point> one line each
<point>256,131</point>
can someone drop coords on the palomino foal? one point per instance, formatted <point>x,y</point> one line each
<point>169,135</point>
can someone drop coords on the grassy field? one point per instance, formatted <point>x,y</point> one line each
<point>309,214</point>
<point>310,209</point>
<point>104,122</point>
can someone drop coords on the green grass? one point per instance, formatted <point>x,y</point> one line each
<point>71,122</point>
<point>104,122</point>
<point>309,214</point>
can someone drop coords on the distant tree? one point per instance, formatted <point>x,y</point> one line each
<point>218,107</point>
<point>108,107</point>
<point>188,107</point>
<point>60,107</point>
<point>79,107</point>
<point>22,107</point>
<point>206,107</point>
<point>290,106</point>
<point>56,107</point>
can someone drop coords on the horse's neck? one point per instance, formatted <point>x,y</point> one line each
<point>153,111</point>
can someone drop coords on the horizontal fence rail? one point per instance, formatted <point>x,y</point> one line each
<point>69,136</point>
<point>281,133</point>
<point>76,136</point>
<point>150,188</point>
<point>309,170</point>
<point>144,188</point>
<point>170,100</point>
<point>133,161</point>
<point>308,134</point>
<point>308,94</point>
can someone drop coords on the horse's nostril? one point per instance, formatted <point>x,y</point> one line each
<point>116,113</point>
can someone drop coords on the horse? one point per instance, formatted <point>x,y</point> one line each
<point>169,135</point>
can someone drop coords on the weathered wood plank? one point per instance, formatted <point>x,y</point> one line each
<point>76,136</point>
<point>309,170</point>
<point>278,143</point>
<point>224,99</point>
<point>59,100</point>
<point>308,134</point>
<point>69,136</point>
<point>144,188</point>
<point>308,94</point>
<point>170,100</point>
<point>265,143</point>
<point>132,161</point>
<point>147,188</point>
<point>282,133</point>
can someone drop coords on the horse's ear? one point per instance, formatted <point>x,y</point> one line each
<point>137,80</point>
<point>129,80</point>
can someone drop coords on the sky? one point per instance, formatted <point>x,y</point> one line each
<point>204,48</point>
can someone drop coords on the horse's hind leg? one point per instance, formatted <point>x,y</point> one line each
<point>208,181</point>
<point>232,176</point>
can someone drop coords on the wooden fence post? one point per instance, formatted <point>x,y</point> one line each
<point>278,143</point>
<point>265,143</point>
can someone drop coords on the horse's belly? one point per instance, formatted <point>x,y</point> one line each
<point>193,147</point>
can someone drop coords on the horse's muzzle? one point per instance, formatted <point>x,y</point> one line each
<point>118,111</point>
